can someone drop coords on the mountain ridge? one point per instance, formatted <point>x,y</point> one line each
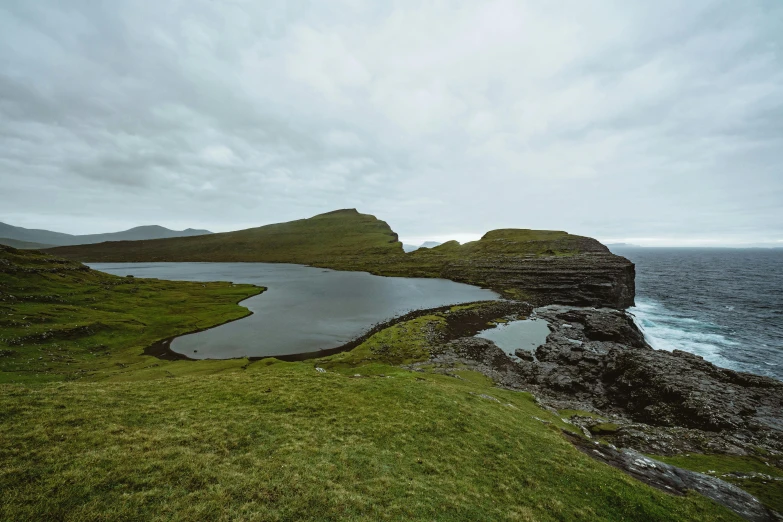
<point>48,238</point>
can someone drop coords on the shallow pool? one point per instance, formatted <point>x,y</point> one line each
<point>527,334</point>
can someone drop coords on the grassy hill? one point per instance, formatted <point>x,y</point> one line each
<point>342,238</point>
<point>92,429</point>
<point>331,236</point>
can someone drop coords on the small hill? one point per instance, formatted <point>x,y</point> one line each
<point>430,244</point>
<point>47,238</point>
<point>23,245</point>
<point>334,237</point>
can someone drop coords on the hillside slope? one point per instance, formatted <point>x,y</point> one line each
<point>333,236</point>
<point>49,238</point>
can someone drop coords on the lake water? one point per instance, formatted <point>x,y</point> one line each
<point>304,310</point>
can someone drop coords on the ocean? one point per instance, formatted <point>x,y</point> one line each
<point>725,305</point>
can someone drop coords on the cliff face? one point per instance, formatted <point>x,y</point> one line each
<point>588,279</point>
<point>542,267</point>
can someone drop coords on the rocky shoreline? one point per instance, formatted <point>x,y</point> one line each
<point>597,364</point>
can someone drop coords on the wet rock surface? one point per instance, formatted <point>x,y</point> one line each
<point>614,370</point>
<point>677,480</point>
<point>597,360</point>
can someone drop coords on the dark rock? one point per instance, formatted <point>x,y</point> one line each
<point>591,278</point>
<point>673,401</point>
<point>677,480</point>
<point>525,355</point>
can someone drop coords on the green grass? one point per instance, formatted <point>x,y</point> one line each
<point>604,428</point>
<point>338,238</point>
<point>770,492</point>
<point>280,441</point>
<point>95,430</point>
<point>60,321</point>
<point>402,343</point>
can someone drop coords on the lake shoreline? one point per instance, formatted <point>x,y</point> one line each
<point>459,328</point>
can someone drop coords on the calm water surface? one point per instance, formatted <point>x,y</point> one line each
<point>527,334</point>
<point>305,309</point>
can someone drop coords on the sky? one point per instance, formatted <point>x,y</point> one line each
<point>655,123</point>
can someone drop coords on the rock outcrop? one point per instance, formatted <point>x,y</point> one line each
<point>677,480</point>
<point>596,364</point>
<point>597,360</point>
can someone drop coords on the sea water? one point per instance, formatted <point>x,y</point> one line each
<point>725,305</point>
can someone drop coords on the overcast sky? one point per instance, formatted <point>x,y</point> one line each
<point>657,122</point>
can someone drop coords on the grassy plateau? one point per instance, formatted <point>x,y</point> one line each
<point>92,429</point>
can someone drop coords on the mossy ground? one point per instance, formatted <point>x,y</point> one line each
<point>135,438</point>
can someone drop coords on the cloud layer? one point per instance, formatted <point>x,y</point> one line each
<point>605,118</point>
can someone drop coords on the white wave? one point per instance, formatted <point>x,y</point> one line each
<point>664,330</point>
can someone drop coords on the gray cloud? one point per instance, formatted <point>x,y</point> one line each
<point>612,119</point>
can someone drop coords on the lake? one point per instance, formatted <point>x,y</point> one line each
<point>304,310</point>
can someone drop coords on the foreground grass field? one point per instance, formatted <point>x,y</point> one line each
<point>91,429</point>
<point>282,441</point>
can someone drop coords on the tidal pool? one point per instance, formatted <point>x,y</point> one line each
<point>527,334</point>
<point>304,309</point>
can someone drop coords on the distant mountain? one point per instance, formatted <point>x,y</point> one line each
<point>426,244</point>
<point>47,238</point>
<point>23,245</point>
